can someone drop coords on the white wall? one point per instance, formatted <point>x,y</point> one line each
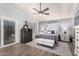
<point>11,11</point>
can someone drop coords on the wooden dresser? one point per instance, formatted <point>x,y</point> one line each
<point>26,36</point>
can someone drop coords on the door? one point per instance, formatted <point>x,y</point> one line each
<point>9,32</point>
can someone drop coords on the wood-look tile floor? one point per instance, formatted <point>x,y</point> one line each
<point>72,47</point>
<point>23,50</point>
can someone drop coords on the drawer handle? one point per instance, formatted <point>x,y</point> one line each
<point>77,39</point>
<point>77,32</point>
<point>77,47</point>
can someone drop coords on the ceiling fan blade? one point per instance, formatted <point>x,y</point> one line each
<point>45,10</point>
<point>34,13</point>
<point>36,10</point>
<point>46,13</point>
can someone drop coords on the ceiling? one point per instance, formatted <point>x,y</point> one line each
<point>57,10</point>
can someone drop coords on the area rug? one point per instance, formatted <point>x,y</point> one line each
<point>62,48</point>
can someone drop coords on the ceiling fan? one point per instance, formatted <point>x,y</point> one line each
<point>41,11</point>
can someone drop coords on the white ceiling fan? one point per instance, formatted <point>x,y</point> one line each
<point>41,11</point>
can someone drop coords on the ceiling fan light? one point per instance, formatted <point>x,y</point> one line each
<point>40,15</point>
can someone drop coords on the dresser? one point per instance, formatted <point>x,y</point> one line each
<point>65,36</point>
<point>76,40</point>
<point>26,36</point>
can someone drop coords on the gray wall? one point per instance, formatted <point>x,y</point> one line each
<point>66,22</point>
<point>76,21</point>
<point>76,15</point>
<point>76,18</point>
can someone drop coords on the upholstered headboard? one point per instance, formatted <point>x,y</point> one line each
<point>52,28</point>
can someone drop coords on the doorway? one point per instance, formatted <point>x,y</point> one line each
<point>7,32</point>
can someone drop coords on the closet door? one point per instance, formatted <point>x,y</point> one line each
<point>9,32</point>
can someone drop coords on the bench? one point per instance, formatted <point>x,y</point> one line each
<point>46,42</point>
